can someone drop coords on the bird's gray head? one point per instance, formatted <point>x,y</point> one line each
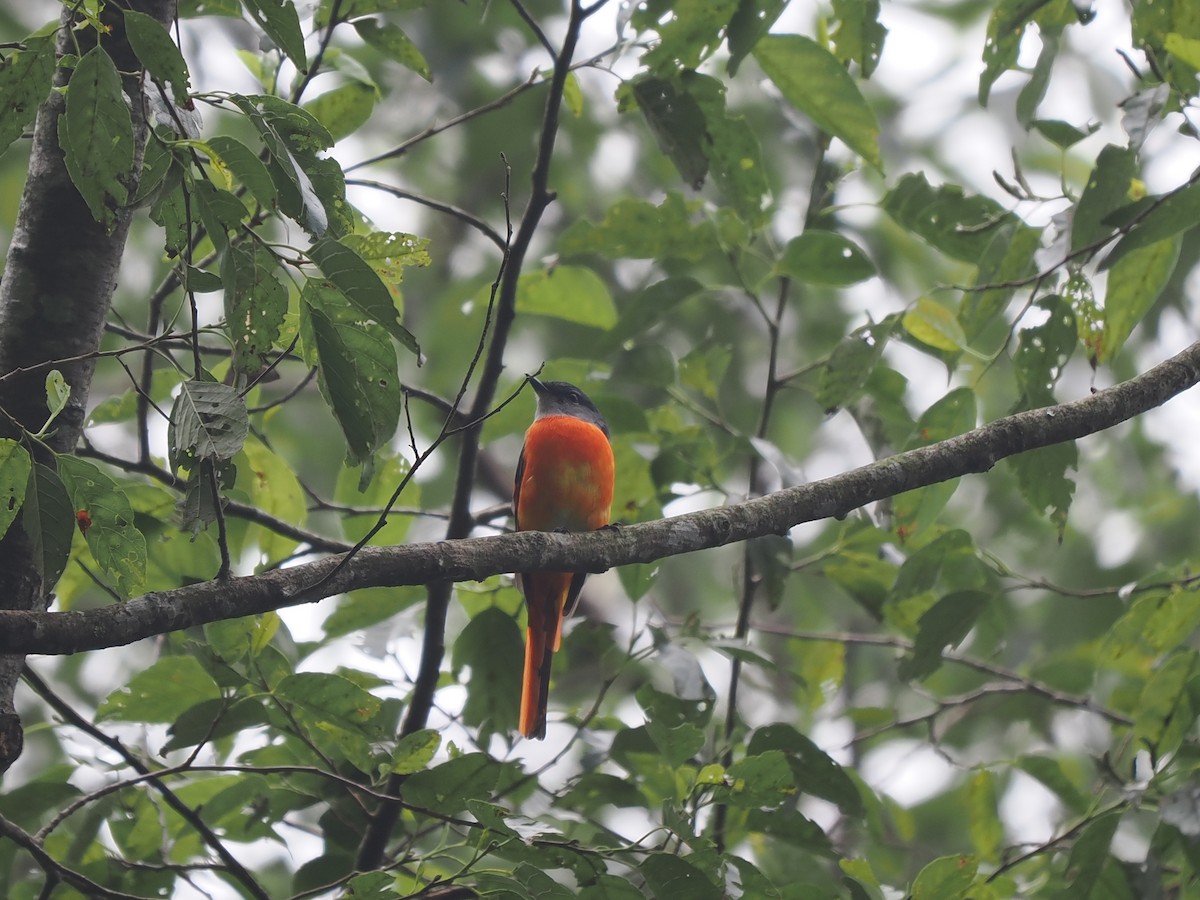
<point>560,398</point>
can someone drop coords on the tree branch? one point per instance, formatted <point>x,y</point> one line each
<point>477,558</point>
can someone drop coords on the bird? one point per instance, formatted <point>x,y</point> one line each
<point>564,482</point>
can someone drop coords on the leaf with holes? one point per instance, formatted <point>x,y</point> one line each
<point>96,135</point>
<point>15,465</point>
<point>361,285</point>
<point>208,421</point>
<point>49,521</point>
<point>24,82</point>
<point>115,542</point>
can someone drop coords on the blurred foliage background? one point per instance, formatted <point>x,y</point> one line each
<point>769,259</point>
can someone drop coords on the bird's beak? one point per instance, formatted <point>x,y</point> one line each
<point>538,387</point>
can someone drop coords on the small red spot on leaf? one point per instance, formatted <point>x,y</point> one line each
<point>84,520</point>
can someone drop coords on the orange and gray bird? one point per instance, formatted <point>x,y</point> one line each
<point>564,483</point>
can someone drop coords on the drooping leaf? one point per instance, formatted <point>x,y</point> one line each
<point>356,372</point>
<point>749,23</point>
<point>1165,710</point>
<point>24,83</point>
<point>859,34</point>
<point>676,121</point>
<point>279,19</point>
<point>158,53</point>
<point>15,466</point>
<point>391,41</point>
<point>490,646</point>
<point>946,623</point>
<point>1168,216</point>
<point>816,83</point>
<point>1107,189</point>
<point>362,286</point>
<point>983,816</point>
<point>96,135</point>
<point>255,304</point>
<point>1089,854</point>
<point>49,521</point>
<point>208,422</point>
<point>851,363</point>
<point>245,165</point>
<point>1134,284</point>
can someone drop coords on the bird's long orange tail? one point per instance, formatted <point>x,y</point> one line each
<point>546,592</point>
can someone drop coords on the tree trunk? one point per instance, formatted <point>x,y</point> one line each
<point>58,282</point>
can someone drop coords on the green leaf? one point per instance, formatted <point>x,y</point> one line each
<point>344,109</point>
<point>1168,216</point>
<point>812,768</point>
<point>414,751</point>
<point>1050,773</point>
<point>1186,49</point>
<point>1134,283</point>
<point>946,878</point>
<point>49,521</point>
<point>752,20</point>
<point>447,788</point>
<point>983,817</point>
<point>255,304</point>
<point>638,229</point>
<point>245,165</point>
<point>734,154</point>
<point>160,692</point>
<point>816,83</point>
<point>672,877</point>
<point>24,83</point>
<point>851,363</point>
<point>824,257</point>
<point>859,35</point>
<point>572,293</point>
<point>278,18</point>
<point>1107,189</point>
<point>944,624</point>
<point>393,43</point>
<point>332,699</point>
<point>957,224</point>
<point>96,135</point>
<point>935,325</point>
<point>1063,134</point>
<point>362,286</point>
<point>764,779</point>
<point>271,485</point>
<point>213,719</point>
<point>689,33</point>
<point>1034,91</point>
<point>357,371</point>
<point>676,121</point>
<point>208,422</point>
<point>15,467</point>
<point>490,645</point>
<point>389,253</point>
<point>58,392</point>
<point>117,545</point>
<point>1089,854</point>
<point>1042,478</point>
<point>1007,261</point>
<point>157,52</point>
<point>1043,350</point>
<point>1005,29</point>
<point>861,876</point>
<point>1165,713</point>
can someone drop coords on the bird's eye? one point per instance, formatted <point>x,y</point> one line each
<point>575,397</point>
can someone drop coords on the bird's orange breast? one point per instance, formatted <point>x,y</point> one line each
<point>567,482</point>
